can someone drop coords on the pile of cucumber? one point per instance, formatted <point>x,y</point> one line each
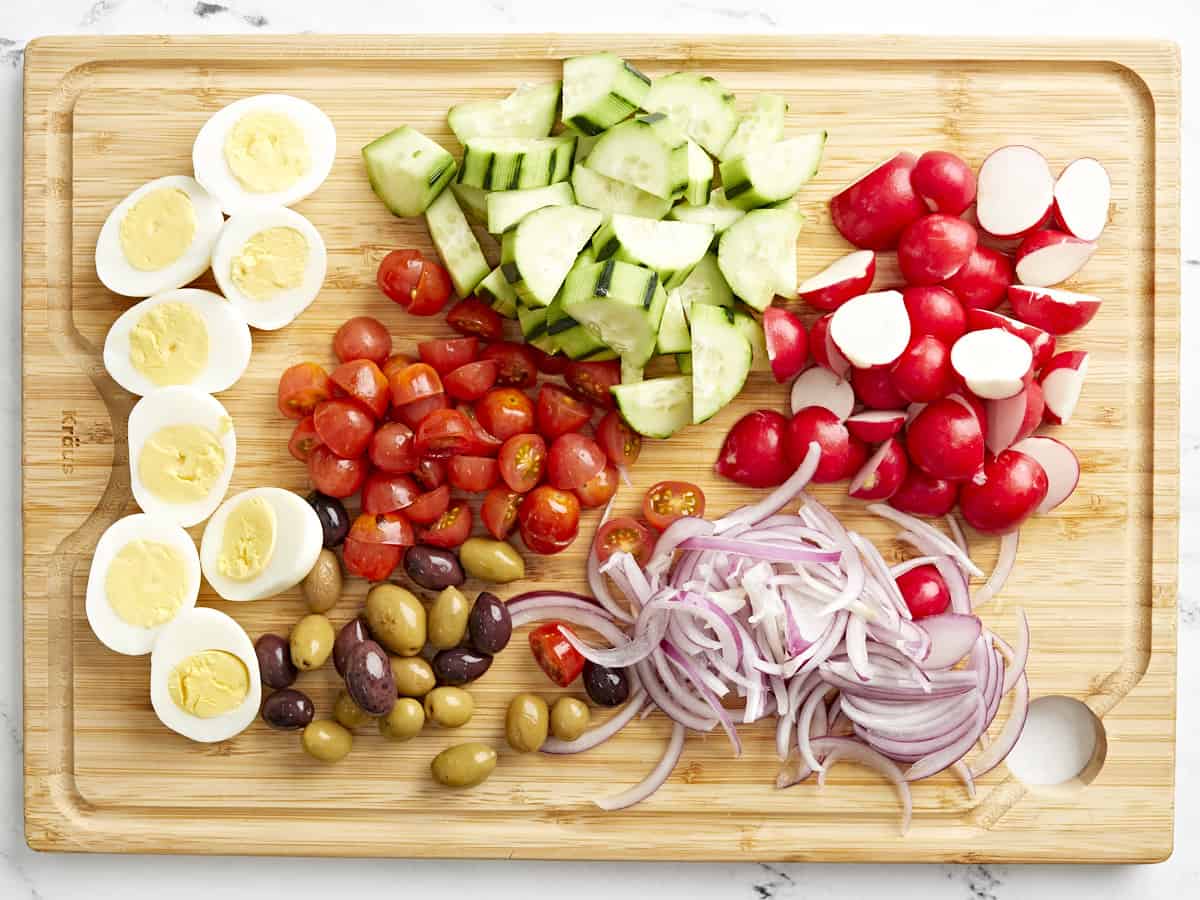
<point>613,240</point>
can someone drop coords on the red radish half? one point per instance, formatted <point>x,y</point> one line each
<point>912,411</point>
<point>983,279</point>
<point>1014,418</point>
<point>934,247</point>
<point>923,495</point>
<point>787,342</point>
<point>1081,197</point>
<point>872,212</point>
<point>1011,487</point>
<point>874,389</point>
<point>1051,309</point>
<point>992,362</point>
<point>882,474</point>
<point>935,311</point>
<point>1016,191</point>
<point>824,352</point>
<point>871,329</point>
<point>753,451</point>
<point>1049,257</point>
<point>1042,343</point>
<point>820,387</point>
<point>845,278</point>
<point>1062,383</point>
<point>945,439</point>
<point>944,181</point>
<point>841,453</point>
<point>876,425</point>
<point>1060,464</point>
<point>975,405</point>
<point>922,373</point>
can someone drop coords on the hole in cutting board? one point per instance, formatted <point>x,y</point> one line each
<point>1062,747</point>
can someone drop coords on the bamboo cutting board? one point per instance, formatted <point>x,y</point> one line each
<point>1097,577</point>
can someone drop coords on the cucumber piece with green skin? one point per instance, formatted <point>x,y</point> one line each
<point>528,112</point>
<point>496,291</point>
<point>583,145</point>
<point>649,152</point>
<point>706,285</point>
<point>407,170</point>
<point>533,328</point>
<point>600,90</point>
<point>772,172</point>
<point>619,303</point>
<point>718,212</point>
<point>683,362</point>
<point>673,334</point>
<point>456,244</point>
<point>611,196</point>
<point>473,201</point>
<point>721,359</point>
<point>509,164</point>
<point>700,175</point>
<point>670,248</point>
<point>762,125</point>
<point>506,208</point>
<point>757,255</point>
<point>699,104</point>
<point>752,330</point>
<point>570,336</point>
<point>632,372</point>
<point>656,407</point>
<point>537,255</point>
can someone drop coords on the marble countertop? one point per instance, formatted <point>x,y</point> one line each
<point>24,874</point>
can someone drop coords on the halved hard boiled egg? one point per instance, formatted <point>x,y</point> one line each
<point>270,266</point>
<point>260,543</point>
<point>204,677</point>
<point>264,151</point>
<point>181,337</point>
<point>181,454</point>
<point>145,573</point>
<point>158,238</point>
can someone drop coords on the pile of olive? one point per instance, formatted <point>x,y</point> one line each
<point>484,559</point>
<point>530,720</point>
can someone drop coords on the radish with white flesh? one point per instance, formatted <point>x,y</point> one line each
<point>845,278</point>
<point>1060,464</point>
<point>1049,257</point>
<point>874,389</point>
<point>992,362</point>
<point>1062,382</point>
<point>873,211</point>
<point>934,247</point>
<point>913,409</point>
<point>820,387</point>
<point>871,329</point>
<point>983,279</point>
<point>874,426</point>
<point>1051,309</point>
<point>1014,418</point>
<point>841,453</point>
<point>882,474</point>
<point>824,352</point>
<point>1016,191</point>
<point>922,373</point>
<point>923,495</point>
<point>1009,490</point>
<point>1081,197</point>
<point>787,342</point>
<point>944,181</point>
<point>1042,343</point>
<point>935,311</point>
<point>945,439</point>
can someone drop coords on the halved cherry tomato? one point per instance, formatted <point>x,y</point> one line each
<point>383,493</point>
<point>420,285</point>
<point>573,461</point>
<point>431,473</point>
<point>451,528</point>
<point>343,427</point>
<point>394,448</point>
<point>499,511</point>
<point>473,316</point>
<point>362,380</point>
<point>362,338</point>
<point>411,414</point>
<point>483,442</point>
<point>522,460</point>
<point>442,433</point>
<point>473,473</point>
<point>548,519</point>
<point>592,380</point>
<point>394,364</point>
<point>559,411</point>
<point>598,489</point>
<point>561,662</point>
<point>670,500</point>
<point>304,438</point>
<point>429,507</point>
<point>518,367</point>
<point>471,381</point>
<point>301,388</point>
<point>415,382</point>
<point>626,534</point>
<point>333,475</point>
<point>548,363</point>
<point>392,528</point>
<point>504,412</point>
<point>620,443</point>
<point>373,562</point>
<point>447,355</point>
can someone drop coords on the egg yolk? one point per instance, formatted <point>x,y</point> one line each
<point>266,152</point>
<point>169,344</point>
<point>181,463</point>
<point>209,684</point>
<point>146,583</point>
<point>158,229</point>
<point>271,261</point>
<point>248,540</point>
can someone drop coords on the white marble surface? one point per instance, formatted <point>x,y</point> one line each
<point>24,874</point>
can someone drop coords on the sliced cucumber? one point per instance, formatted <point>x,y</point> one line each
<point>570,336</point>
<point>670,248</point>
<point>649,153</point>
<point>757,255</point>
<point>473,201</point>
<point>496,290</point>
<point>533,327</point>
<point>658,407</point>
<point>772,172</point>
<point>632,372</point>
<point>705,284</point>
<point>583,144</point>
<point>407,170</point>
<point>699,104</point>
<point>506,208</point>
<point>683,362</point>
<point>673,335</point>
<point>506,164</point>
<point>456,244</point>
<point>619,303</point>
<point>600,90</point>
<point>700,175</point>
<point>611,196</point>
<point>528,112</point>
<point>753,332</point>
<point>718,212</point>
<point>537,255</point>
<point>721,358</point>
<point>762,125</point>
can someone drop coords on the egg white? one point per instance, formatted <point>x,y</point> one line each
<point>179,406</point>
<point>229,342</point>
<point>114,632</point>
<point>212,171</point>
<point>281,309</point>
<point>120,277</point>
<point>298,540</point>
<point>194,632</point>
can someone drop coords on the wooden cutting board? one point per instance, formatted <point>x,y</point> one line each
<point>1097,577</point>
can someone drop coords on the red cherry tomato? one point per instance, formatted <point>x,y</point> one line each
<point>362,380</point>
<point>373,562</point>
<point>391,528</point>
<point>471,381</point>
<point>561,662</point>
<point>428,508</point>
<point>573,461</point>
<point>301,388</point>
<point>504,412</point>
<point>548,519</point>
<point>304,438</point>
<point>483,443</point>
<point>499,511</point>
<point>599,489</point>
<point>415,382</point>
<point>669,500</point>
<point>451,528</point>
<point>448,355</point>
<point>593,380</point>
<point>625,534</point>
<point>924,591</point>
<point>394,448</point>
<point>559,411</point>
<point>444,432</point>
<point>412,414</point>
<point>518,366</point>
<point>333,475</point>
<point>753,452</point>
<point>522,461</point>
<point>383,493</point>
<point>362,338</point>
<point>420,285</point>
<point>473,316</point>
<point>431,474</point>
<point>473,473</point>
<point>548,363</point>
<point>620,443</point>
<point>343,427</point>
<point>394,364</point>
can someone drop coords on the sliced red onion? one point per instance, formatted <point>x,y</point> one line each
<point>837,748</point>
<point>946,757</point>
<point>778,498</point>
<point>1018,655</point>
<point>909,564</point>
<point>771,552</point>
<point>793,771</point>
<point>625,655</point>
<point>652,782</point>
<point>804,725</point>
<point>674,535</point>
<point>1007,739</point>
<point>956,534</point>
<point>820,721</point>
<point>963,772</point>
<point>951,637</point>
<point>922,529</point>
<point>956,583</point>
<point>673,654</point>
<point>665,701</point>
<point>594,737</point>
<point>1004,566</point>
<point>856,647</point>
<point>681,693</point>
<point>594,620</point>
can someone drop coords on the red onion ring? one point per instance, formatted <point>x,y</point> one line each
<point>652,782</point>
<point>1004,566</point>
<point>594,737</point>
<point>836,748</point>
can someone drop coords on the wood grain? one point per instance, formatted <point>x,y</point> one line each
<point>1097,577</point>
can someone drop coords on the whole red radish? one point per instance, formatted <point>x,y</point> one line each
<point>1050,309</point>
<point>824,351</point>
<point>1004,494</point>
<point>1049,257</point>
<point>753,453</point>
<point>983,279</point>
<point>874,388</point>
<point>935,311</point>
<point>923,495</point>
<point>844,278</point>
<point>787,342</point>
<point>1062,382</point>
<point>882,474</point>
<point>946,440</point>
<point>944,181</point>
<point>922,373</point>
<point>1042,343</point>
<point>924,592</point>
<point>1015,193</point>
<point>815,423</point>
<point>934,247</point>
<point>872,212</point>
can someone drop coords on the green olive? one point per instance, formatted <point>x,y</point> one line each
<point>490,560</point>
<point>311,642</point>
<point>396,619</point>
<point>322,586</point>
<point>527,723</point>
<point>569,718</point>
<point>348,713</point>
<point>413,676</point>
<point>404,722</point>
<point>450,707</point>
<point>448,618</point>
<point>463,765</point>
<point>327,741</point>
